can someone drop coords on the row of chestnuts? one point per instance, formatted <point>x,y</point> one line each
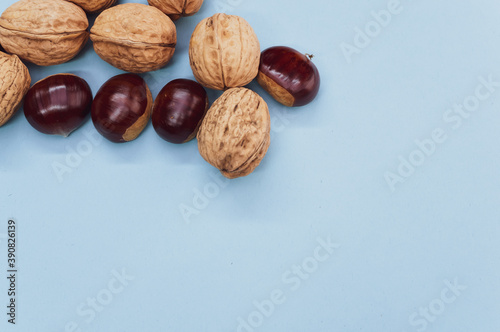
<point>121,109</point>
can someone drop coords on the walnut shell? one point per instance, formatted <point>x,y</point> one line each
<point>224,52</point>
<point>134,37</point>
<point>94,6</point>
<point>176,9</point>
<point>45,32</point>
<point>235,133</point>
<point>15,81</point>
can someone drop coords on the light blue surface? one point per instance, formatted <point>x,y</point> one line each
<point>396,251</point>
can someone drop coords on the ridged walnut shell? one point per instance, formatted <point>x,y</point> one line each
<point>44,32</point>
<point>134,37</point>
<point>94,6</point>
<point>235,134</point>
<point>224,52</point>
<point>176,9</point>
<point>15,81</point>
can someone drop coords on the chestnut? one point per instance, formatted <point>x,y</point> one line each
<point>122,108</point>
<point>58,104</point>
<point>288,76</point>
<point>179,109</point>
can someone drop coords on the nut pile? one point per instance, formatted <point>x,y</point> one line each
<point>224,54</point>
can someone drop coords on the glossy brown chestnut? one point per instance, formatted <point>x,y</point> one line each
<point>288,76</point>
<point>58,104</point>
<point>122,108</point>
<point>179,109</point>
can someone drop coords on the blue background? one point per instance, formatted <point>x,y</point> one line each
<point>322,180</point>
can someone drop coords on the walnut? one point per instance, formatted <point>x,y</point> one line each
<point>45,32</point>
<point>15,81</point>
<point>94,6</point>
<point>235,133</point>
<point>134,37</point>
<point>224,52</point>
<point>175,9</point>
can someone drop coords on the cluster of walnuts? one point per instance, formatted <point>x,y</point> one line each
<point>224,54</point>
